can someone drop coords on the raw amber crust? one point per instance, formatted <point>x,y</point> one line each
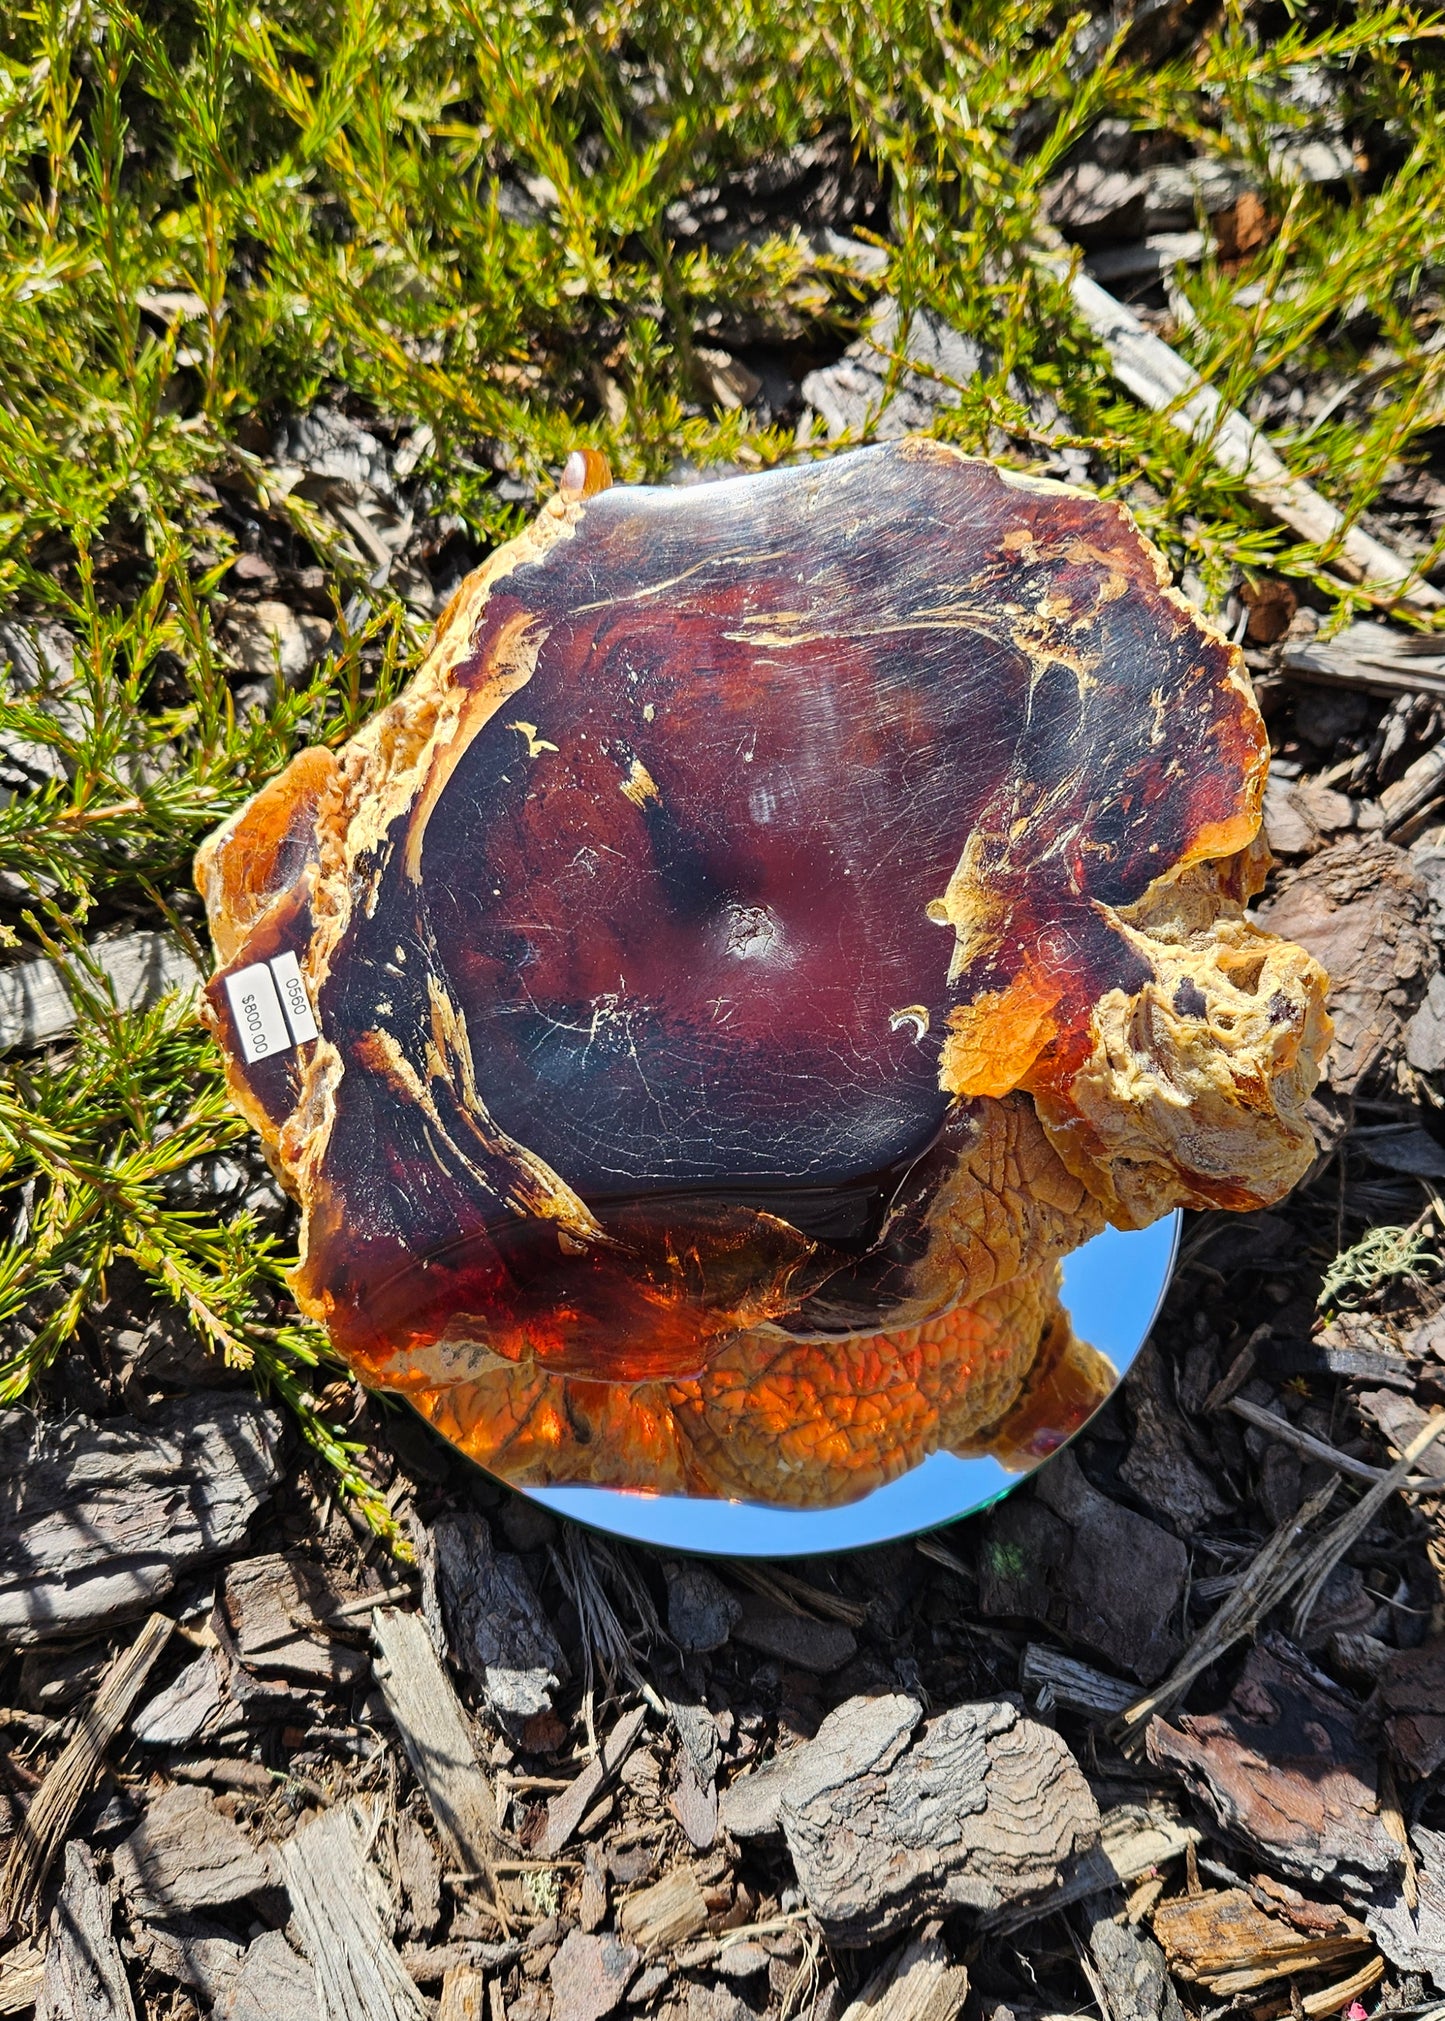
<point>1062,992</point>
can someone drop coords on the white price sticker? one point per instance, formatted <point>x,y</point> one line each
<point>256,1009</point>
<point>294,1001</point>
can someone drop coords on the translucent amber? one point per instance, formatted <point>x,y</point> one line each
<point>781,919</point>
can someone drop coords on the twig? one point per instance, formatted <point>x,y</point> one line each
<point>1327,1553</point>
<point>72,1774</point>
<point>1276,1427</point>
<point>1273,1574</point>
<point>1161,379</point>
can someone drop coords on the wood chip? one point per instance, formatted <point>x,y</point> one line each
<point>1410,1693</point>
<point>1128,1968</point>
<point>589,1976</point>
<point>985,1807</point>
<point>337,1897</point>
<point>272,1984</point>
<point>464,1995</point>
<point>186,1854</point>
<point>1380,659</point>
<point>22,1970</point>
<point>428,1716</point>
<point>1104,1576</point>
<point>918,1983</point>
<point>666,1914</point>
<point>820,1647</point>
<point>73,1774</point>
<point>567,1809</point>
<point>1133,1839</point>
<point>863,1736</point>
<point>1226,1941</point>
<point>701,1610</point>
<point>97,1520</point>
<point>484,1604</point>
<point>279,1609</point>
<point>1078,1687</point>
<point>1414,1939</point>
<point>1284,1770</point>
<point>84,1977</point>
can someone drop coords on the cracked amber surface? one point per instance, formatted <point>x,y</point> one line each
<point>781,919</point>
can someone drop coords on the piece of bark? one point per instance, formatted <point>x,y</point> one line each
<point>493,1623</point>
<point>272,1984</point>
<point>1413,1939</point>
<point>1159,1466</point>
<point>693,1799</point>
<point>74,1773</point>
<point>36,1006</point>
<point>589,1976</point>
<point>666,1914</point>
<point>918,1983</point>
<point>1163,381</point>
<point>195,1951</point>
<point>428,1715</point>
<point>1363,911</point>
<point>189,1708</point>
<point>428,1964</point>
<point>1104,1576</point>
<point>85,1978</point>
<point>1377,658</point>
<point>281,1611</point>
<point>1410,1693</point>
<point>701,1611</point>
<point>1283,1770</point>
<point>1078,1687</point>
<point>98,1520</point>
<point>566,1810</point>
<point>186,1854</point>
<point>861,1737</point>
<point>339,1903</point>
<point>1401,1419</point>
<point>820,1647</point>
<point>1130,1967</point>
<point>1227,1941</point>
<point>985,1807</point>
<point>464,1995</point>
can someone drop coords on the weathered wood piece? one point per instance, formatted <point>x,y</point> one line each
<point>22,1971</point>
<point>589,1976</point>
<point>1160,1466</point>
<point>1410,1693</point>
<point>1363,912</point>
<point>1130,1967</point>
<point>428,1716</point>
<point>270,1984</point>
<point>918,1983</point>
<point>464,1995</point>
<point>1381,659</point>
<point>494,1624</point>
<point>186,1854</point>
<point>1413,1939</point>
<point>85,1977</point>
<point>1101,1574</point>
<point>1284,1770</point>
<point>1162,380</point>
<point>192,1706</point>
<point>1228,1940</point>
<point>97,1520</point>
<point>73,1774</point>
<point>282,1612</point>
<point>666,1914</point>
<point>36,1007</point>
<point>1078,1687</point>
<point>340,1905</point>
<point>566,1810</point>
<point>861,1737</point>
<point>986,1807</point>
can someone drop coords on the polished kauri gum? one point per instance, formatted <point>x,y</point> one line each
<point>781,919</point>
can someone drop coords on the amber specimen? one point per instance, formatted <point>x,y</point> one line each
<point>780,920</point>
